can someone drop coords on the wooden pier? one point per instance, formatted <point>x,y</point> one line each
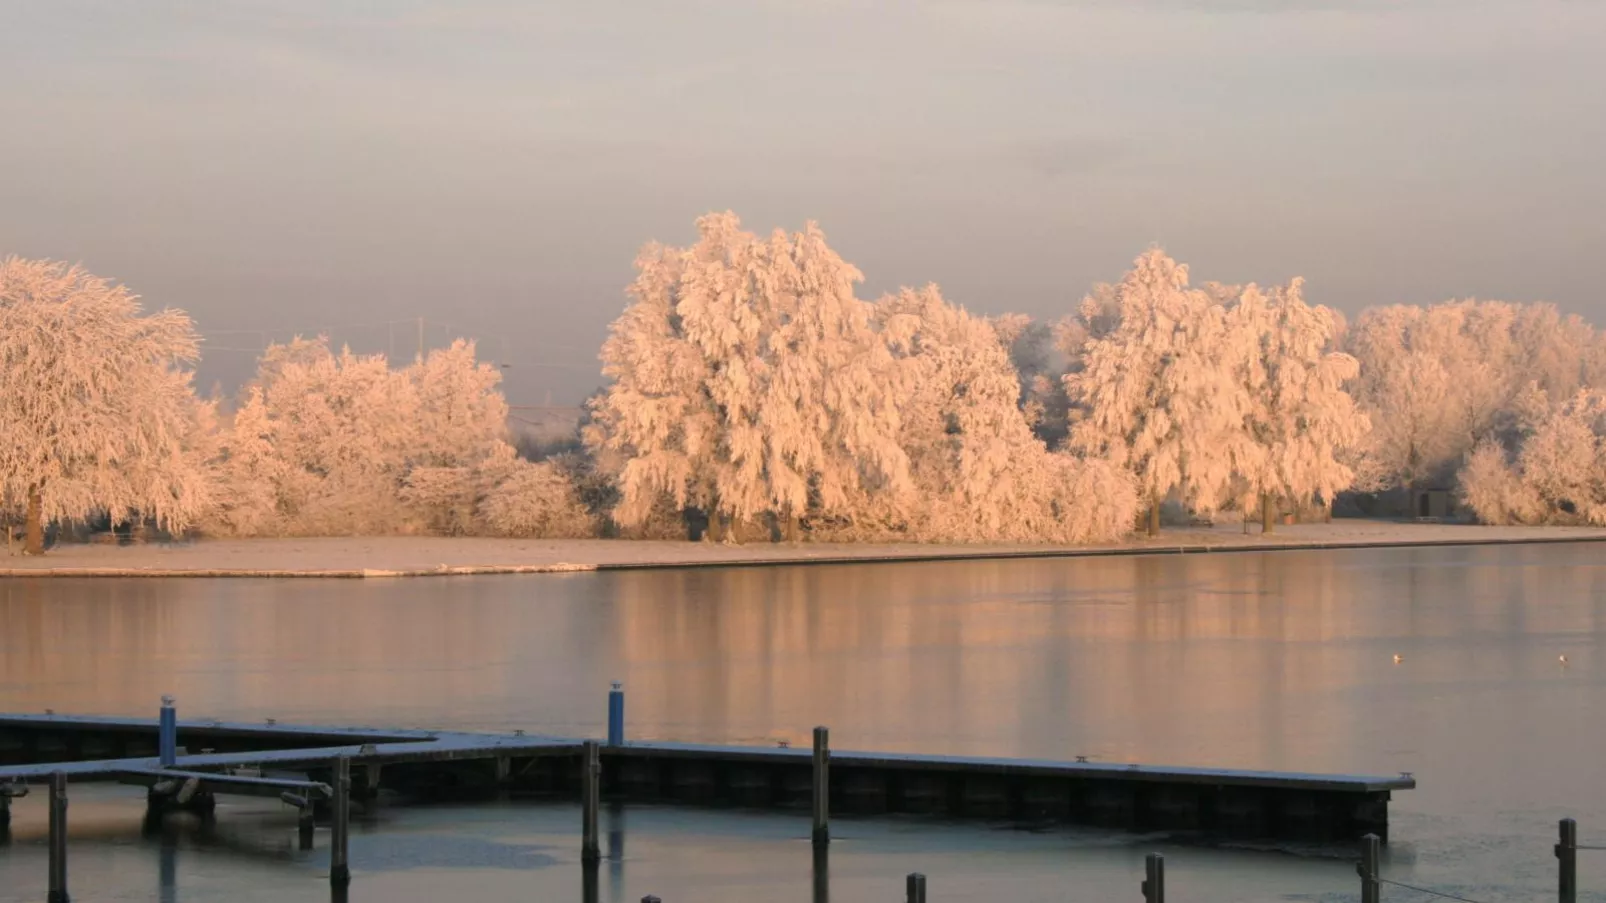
<point>323,769</point>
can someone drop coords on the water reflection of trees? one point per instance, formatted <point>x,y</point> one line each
<point>1281,660</point>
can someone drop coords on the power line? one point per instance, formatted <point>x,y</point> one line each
<point>426,325</point>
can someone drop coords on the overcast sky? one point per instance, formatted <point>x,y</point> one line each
<point>288,165</point>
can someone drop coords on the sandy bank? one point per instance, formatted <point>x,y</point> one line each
<point>406,556</point>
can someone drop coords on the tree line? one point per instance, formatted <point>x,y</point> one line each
<point>749,387</point>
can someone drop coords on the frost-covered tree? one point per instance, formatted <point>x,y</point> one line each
<point>980,474</point>
<point>532,499</point>
<point>748,381</point>
<point>1558,475</point>
<point>342,428</point>
<point>97,415</point>
<point>1301,421</point>
<point>1158,392</point>
<point>249,473</point>
<point>1439,380</point>
<point>342,444</point>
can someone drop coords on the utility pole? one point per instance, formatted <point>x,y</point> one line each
<point>420,340</point>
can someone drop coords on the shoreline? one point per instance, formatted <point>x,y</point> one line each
<point>408,557</point>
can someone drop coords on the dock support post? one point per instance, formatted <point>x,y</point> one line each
<point>58,839</point>
<point>1567,853</point>
<point>1154,878</point>
<point>305,826</point>
<point>590,798</point>
<point>370,782</point>
<point>822,786</point>
<point>822,874</point>
<point>616,715</point>
<point>1371,887</point>
<point>167,734</point>
<point>590,883</point>
<point>339,867</point>
<point>915,888</point>
<point>167,872</point>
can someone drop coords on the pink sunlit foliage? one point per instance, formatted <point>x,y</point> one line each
<point>342,444</point>
<point>1438,381</point>
<point>1557,475</point>
<point>97,415</point>
<point>1158,393</point>
<point>747,381</point>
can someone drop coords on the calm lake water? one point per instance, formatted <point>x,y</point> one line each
<point>1279,660</point>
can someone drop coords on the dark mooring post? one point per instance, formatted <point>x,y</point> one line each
<point>167,874</point>
<point>590,801</point>
<point>590,883</point>
<point>58,839</point>
<point>339,867</point>
<point>1154,879</point>
<point>914,888</point>
<point>822,874</point>
<point>1371,887</point>
<point>1567,854</point>
<point>822,785</point>
<point>616,715</point>
<point>304,823</point>
<point>167,734</point>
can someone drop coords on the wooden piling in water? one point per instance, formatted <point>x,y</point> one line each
<point>58,839</point>
<point>822,874</point>
<point>305,825</point>
<point>590,883</point>
<point>590,800</point>
<point>339,867</point>
<point>1371,887</point>
<point>1567,854</point>
<point>371,772</point>
<point>822,785</point>
<point>1154,878</point>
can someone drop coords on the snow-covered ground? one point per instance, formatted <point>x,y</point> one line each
<point>410,556</point>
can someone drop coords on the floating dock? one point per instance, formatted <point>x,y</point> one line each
<point>227,757</point>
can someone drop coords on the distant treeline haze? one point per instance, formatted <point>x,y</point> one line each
<point>751,394</point>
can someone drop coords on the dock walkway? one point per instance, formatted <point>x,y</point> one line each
<point>458,765</point>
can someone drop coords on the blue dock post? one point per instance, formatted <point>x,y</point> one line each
<point>167,734</point>
<point>616,715</point>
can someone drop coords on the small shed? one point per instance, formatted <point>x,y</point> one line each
<point>1430,504</point>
